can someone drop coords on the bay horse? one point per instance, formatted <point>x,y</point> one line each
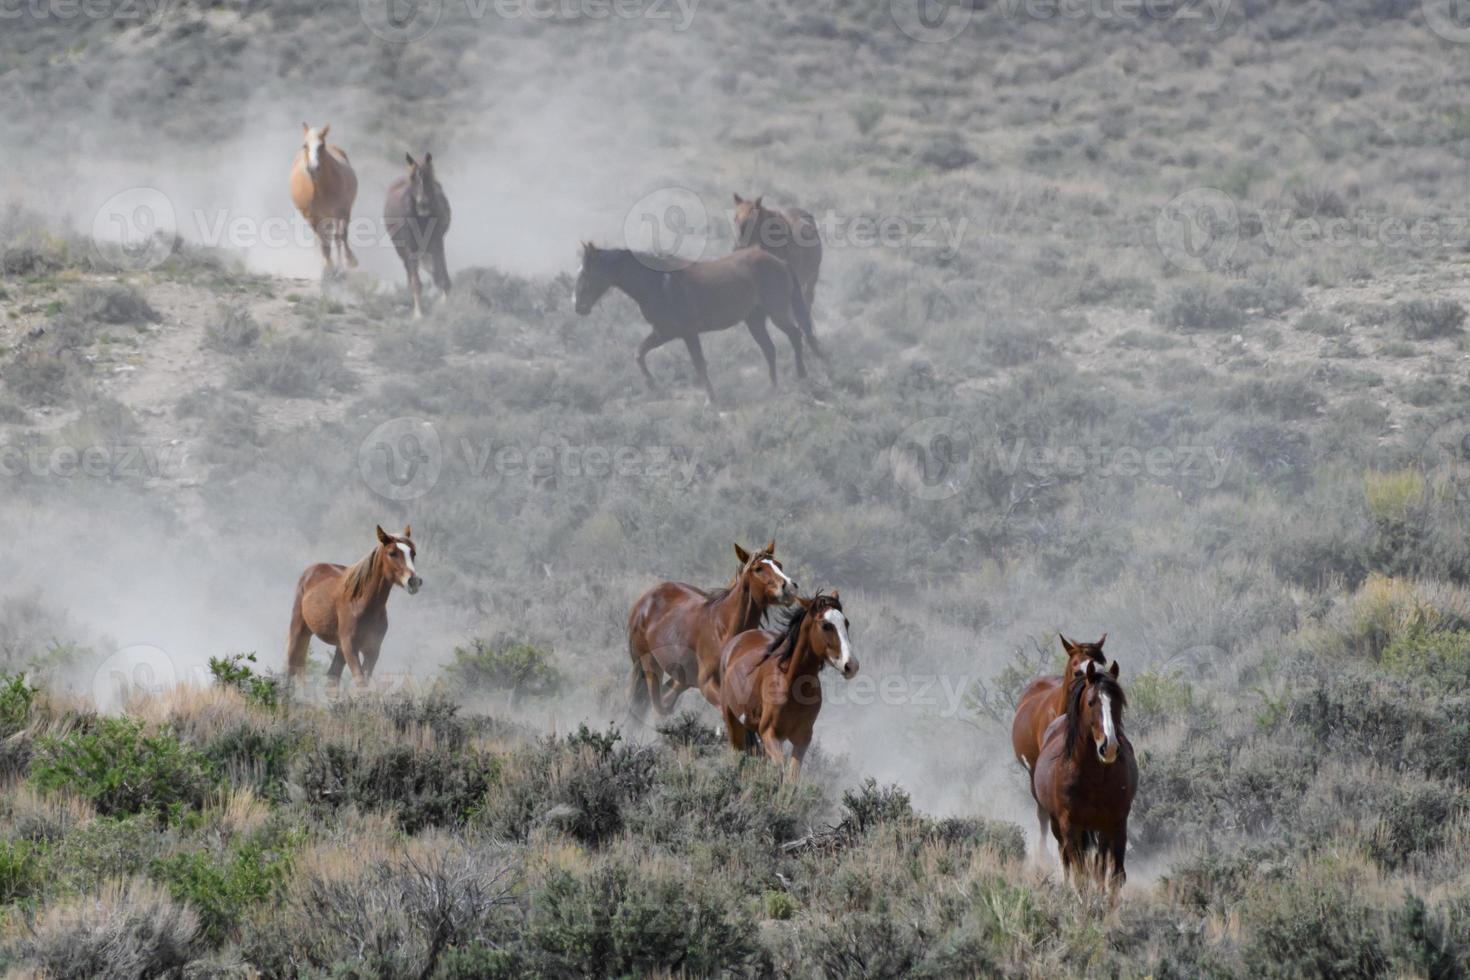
<point>416,215</point>
<point>771,688</point>
<point>324,188</point>
<point>1046,698</point>
<point>682,303</point>
<point>1086,777</point>
<point>677,630</point>
<point>347,608</point>
<point>790,235</point>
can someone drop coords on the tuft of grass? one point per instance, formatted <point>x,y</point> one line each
<point>1393,494</point>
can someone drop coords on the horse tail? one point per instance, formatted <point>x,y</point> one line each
<point>803,315</point>
<point>638,702</point>
<point>298,642</point>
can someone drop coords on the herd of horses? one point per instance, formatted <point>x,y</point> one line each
<point>770,276</point>
<point>766,684</point>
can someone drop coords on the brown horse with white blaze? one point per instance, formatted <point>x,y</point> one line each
<point>1086,777</point>
<point>677,630</point>
<point>416,215</point>
<point>324,188</point>
<point>770,685</point>
<point>789,234</point>
<point>680,302</point>
<point>347,608</point>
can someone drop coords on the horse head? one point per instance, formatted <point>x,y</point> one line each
<point>314,141</point>
<point>399,552</point>
<point>750,221</point>
<point>423,186</point>
<point>593,279</point>
<point>1078,655</point>
<point>1095,706</point>
<point>826,629</point>
<point>761,573</point>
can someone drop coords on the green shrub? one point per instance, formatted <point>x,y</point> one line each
<point>234,329</point>
<point>518,669</point>
<point>1441,655</point>
<point>310,366</point>
<point>1315,924</point>
<point>1430,319</point>
<point>779,905</point>
<point>222,888</point>
<point>22,870</point>
<point>1198,306</point>
<point>113,303</point>
<point>16,696</point>
<point>232,671</point>
<point>621,921</point>
<point>122,770</point>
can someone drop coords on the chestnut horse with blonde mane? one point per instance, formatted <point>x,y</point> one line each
<point>347,608</point>
<point>770,686</point>
<point>680,302</point>
<point>324,188</point>
<point>677,629</point>
<point>1086,777</point>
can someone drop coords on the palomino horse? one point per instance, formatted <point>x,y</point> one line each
<point>1046,698</point>
<point>790,235</point>
<point>347,608</point>
<point>323,188</point>
<point>676,629</point>
<point>416,215</point>
<point>682,303</point>
<point>1086,776</point>
<point>770,685</point>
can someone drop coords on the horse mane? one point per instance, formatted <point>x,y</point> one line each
<point>1109,686</point>
<point>360,574</point>
<point>784,645</point>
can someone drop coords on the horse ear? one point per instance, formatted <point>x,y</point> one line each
<point>771,548</point>
<point>804,603</point>
<point>1090,671</point>
<point>411,161</point>
<point>836,596</point>
<point>383,537</point>
<point>428,159</point>
<point>325,130</point>
<point>1114,670</point>
<point>758,202</point>
<point>742,554</point>
<point>408,530</point>
<point>738,198</point>
<point>1067,644</point>
<point>305,127</point>
<point>1101,641</point>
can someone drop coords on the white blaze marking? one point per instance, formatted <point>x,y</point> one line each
<point>1107,710</point>
<point>839,622</point>
<point>785,579</point>
<point>407,554</point>
<point>313,154</point>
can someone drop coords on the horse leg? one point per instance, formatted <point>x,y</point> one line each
<point>354,666</point>
<point>323,231</point>
<point>1044,819</point>
<point>440,266</point>
<point>774,749</point>
<point>651,342</point>
<point>334,672</point>
<point>696,354</point>
<point>793,333</point>
<point>415,284</point>
<point>1117,845</point>
<point>342,227</point>
<point>756,323</point>
<point>370,653</point>
<point>298,643</point>
<point>799,745</point>
<point>739,737</point>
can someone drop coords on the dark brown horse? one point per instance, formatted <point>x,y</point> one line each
<point>790,235</point>
<point>770,686</point>
<point>347,608</point>
<point>1086,777</point>
<point>682,303</point>
<point>677,630</point>
<point>1046,698</point>
<point>417,215</point>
